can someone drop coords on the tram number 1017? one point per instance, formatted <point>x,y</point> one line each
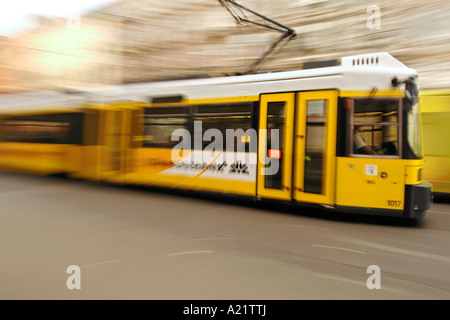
<point>394,203</point>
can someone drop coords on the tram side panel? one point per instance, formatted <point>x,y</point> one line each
<point>188,146</point>
<point>435,105</point>
<point>87,163</point>
<point>158,145</point>
<point>41,143</point>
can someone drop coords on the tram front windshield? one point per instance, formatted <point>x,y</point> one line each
<point>388,126</point>
<point>413,121</point>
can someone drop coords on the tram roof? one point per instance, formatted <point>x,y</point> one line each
<point>360,72</point>
<point>30,101</point>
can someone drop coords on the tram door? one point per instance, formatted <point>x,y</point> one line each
<point>275,146</point>
<point>114,124</point>
<point>315,147</point>
<point>296,147</point>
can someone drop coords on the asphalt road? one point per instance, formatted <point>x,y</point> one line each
<point>130,243</point>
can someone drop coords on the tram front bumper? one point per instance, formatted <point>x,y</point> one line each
<point>418,199</point>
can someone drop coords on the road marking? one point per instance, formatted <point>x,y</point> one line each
<point>338,248</point>
<point>419,284</point>
<point>418,254</point>
<point>407,252</point>
<point>432,211</point>
<point>99,263</point>
<point>305,226</point>
<point>207,239</point>
<point>341,278</point>
<point>405,242</point>
<point>189,252</point>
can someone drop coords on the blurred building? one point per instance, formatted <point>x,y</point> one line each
<point>59,55</point>
<point>145,40</point>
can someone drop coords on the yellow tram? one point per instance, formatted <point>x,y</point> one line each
<point>287,136</point>
<point>435,111</point>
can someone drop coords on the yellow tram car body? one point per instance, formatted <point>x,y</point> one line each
<point>285,136</point>
<point>435,109</point>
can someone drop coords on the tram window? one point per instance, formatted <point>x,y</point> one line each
<point>160,123</point>
<point>276,114</point>
<point>236,118</point>
<point>376,127</point>
<point>64,128</point>
<point>91,130</point>
<point>3,129</point>
<point>316,115</point>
